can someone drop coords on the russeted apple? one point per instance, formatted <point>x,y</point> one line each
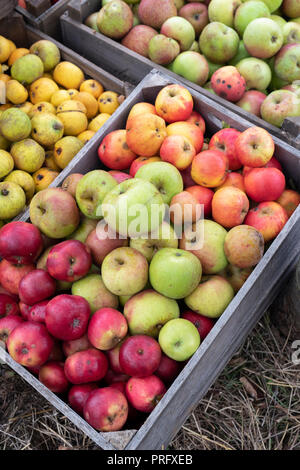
<point>289,200</point>
<point>244,246</point>
<point>236,276</point>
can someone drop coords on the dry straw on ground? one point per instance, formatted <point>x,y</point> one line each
<point>254,405</point>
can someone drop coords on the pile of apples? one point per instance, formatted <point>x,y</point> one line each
<point>246,51</point>
<point>51,110</point>
<point>109,322</point>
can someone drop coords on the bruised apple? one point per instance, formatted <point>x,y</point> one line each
<point>69,261</point>
<point>8,324</point>
<point>86,366</point>
<point>190,131</point>
<point>106,409</point>
<point>8,306</point>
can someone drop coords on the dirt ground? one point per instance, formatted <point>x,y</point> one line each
<point>254,405</point>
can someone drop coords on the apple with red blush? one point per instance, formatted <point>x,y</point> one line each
<point>8,324</point>
<point>69,261</point>
<point>254,147</point>
<point>224,141</point>
<point>178,150</point>
<point>114,152</point>
<point>209,168</point>
<point>140,161</point>
<point>12,274</point>
<point>230,206</point>
<point>204,196</point>
<point>197,119</point>
<point>107,328</point>
<point>264,184</point>
<point>168,369</point>
<point>174,103</point>
<point>119,175</point>
<point>76,345</point>
<point>144,393</point>
<point>37,312</point>
<point>106,409</point>
<point>52,375</point>
<point>100,247</point>
<point>269,218</point>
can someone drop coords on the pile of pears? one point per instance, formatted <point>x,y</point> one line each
<point>49,111</point>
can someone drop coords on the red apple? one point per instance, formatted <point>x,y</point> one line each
<point>174,103</point>
<point>197,119</point>
<point>121,386</point>
<point>36,286</point>
<point>111,377</point>
<point>86,366</point>
<point>140,356</point>
<point>114,358</point>
<point>140,161</point>
<point>99,248</point>
<point>204,196</point>
<point>78,394</point>
<point>114,151</point>
<point>119,175</point>
<point>69,261</point>
<point>254,147</point>
<point>76,345</point>
<point>107,328</point>
<point>224,141</point>
<point>52,375</point>
<point>289,200</point>
<point>168,369</point>
<point>8,306</point>
<point>273,163</point>
<point>24,310</point>
<point>56,352</point>
<point>20,242</point>
<point>106,409</point>
<point>8,324</point>
<point>30,344</point>
<point>264,184</point>
<point>269,218</point>
<point>187,178</point>
<point>229,206</point>
<point>144,393</point>
<point>11,275</point>
<point>37,311</point>
<point>67,316</point>
<point>202,323</point>
<point>234,179</point>
<point>209,168</point>
<point>177,150</point>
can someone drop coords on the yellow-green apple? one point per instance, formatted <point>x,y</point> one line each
<point>91,20</point>
<point>174,103</point>
<point>7,325</point>
<point>184,209</point>
<point>197,119</point>
<point>78,394</point>
<point>163,237</point>
<point>248,12</point>
<point>107,328</point>
<point>30,344</point>
<point>35,286</point>
<point>181,30</point>
<point>114,152</point>
<point>229,206</point>
<point>273,5</point>
<point>145,134</point>
<point>291,8</point>
<point>279,20</point>
<point>134,207</point>
<point>91,190</point>
<point>289,200</point>
<point>139,356</point>
<point>83,230</point>
<point>251,101</point>
<point>256,72</point>
<point>202,323</point>
<point>124,271</point>
<point>264,184</point>
<point>190,131</point>
<point>92,289</point>
<point>224,141</point>
<point>164,176</point>
<point>154,12</point>
<point>242,53</point>
<point>162,49</point>
<point>20,242</point>
<point>287,61</point>
<point>244,246</point>
<point>269,218</point>
<point>12,199</point>
<point>86,366</point>
<point>52,375</point>
<point>140,161</point>
<point>168,369</point>
<point>70,183</point>
<point>211,297</point>
<point>115,19</point>
<point>174,273</point>
<point>211,253</point>
<point>144,393</point>
<point>291,32</point>
<point>223,12</point>
<point>218,42</point>
<point>106,409</point>
<point>100,247</point>
<point>75,345</point>
<point>263,38</point>
<point>54,212</point>
<point>236,276</point>
<point>138,38</point>
<point>196,14</point>
<point>234,179</point>
<point>177,150</point>
<point>254,147</point>
<point>204,196</point>
<point>12,274</point>
<point>209,168</point>
<point>179,339</point>
<point>279,105</point>
<point>69,261</point>
<point>192,66</point>
<point>148,311</point>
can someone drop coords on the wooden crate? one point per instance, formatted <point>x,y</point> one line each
<point>44,18</point>
<point>236,322</point>
<point>133,67</point>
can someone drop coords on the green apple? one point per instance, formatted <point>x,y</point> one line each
<point>287,63</point>
<point>175,273</point>
<point>92,289</point>
<point>12,200</point>
<point>278,105</point>
<point>211,254</point>
<point>211,297</point>
<point>218,42</point>
<point>163,237</point>
<point>181,30</point>
<point>192,66</point>
<point>273,5</point>
<point>164,176</point>
<point>241,54</point>
<point>148,311</point>
<point>218,10</point>
<point>212,68</point>
<point>291,32</point>
<point>124,271</point>
<point>179,339</point>
<point>279,20</point>
<point>263,38</point>
<point>248,12</point>
<point>91,190</point>
<point>134,207</point>
<point>162,49</point>
<point>256,72</point>
<point>83,230</point>
<point>195,47</point>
